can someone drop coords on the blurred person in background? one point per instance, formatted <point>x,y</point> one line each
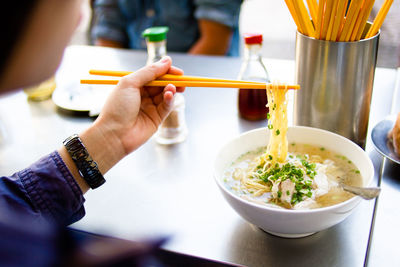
<point>208,27</point>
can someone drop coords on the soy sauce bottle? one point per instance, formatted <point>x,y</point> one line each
<point>252,102</point>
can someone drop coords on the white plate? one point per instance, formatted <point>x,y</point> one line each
<point>380,140</point>
<point>81,97</point>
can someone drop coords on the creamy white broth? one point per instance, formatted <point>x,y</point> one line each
<point>330,168</point>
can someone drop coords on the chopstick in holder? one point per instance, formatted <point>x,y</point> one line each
<point>364,19</point>
<point>304,18</point>
<point>327,18</point>
<point>332,20</point>
<point>361,20</point>
<point>350,20</point>
<point>239,84</point>
<point>295,17</point>
<point>356,18</point>
<point>339,30</point>
<point>313,8</point>
<point>339,21</point>
<point>376,25</point>
<point>320,19</point>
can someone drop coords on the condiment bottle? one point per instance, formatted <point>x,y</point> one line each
<point>252,102</point>
<point>156,41</point>
<point>173,129</point>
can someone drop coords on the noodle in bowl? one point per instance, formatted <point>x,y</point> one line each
<point>288,222</point>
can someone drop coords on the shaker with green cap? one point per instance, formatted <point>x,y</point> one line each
<point>173,129</point>
<point>156,40</point>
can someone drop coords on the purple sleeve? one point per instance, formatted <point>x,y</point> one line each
<point>45,189</point>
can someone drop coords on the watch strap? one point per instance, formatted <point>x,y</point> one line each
<point>86,166</point>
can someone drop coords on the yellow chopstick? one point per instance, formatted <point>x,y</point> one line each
<point>332,20</point>
<point>241,85</point>
<point>364,19</point>
<point>166,77</point>
<point>183,80</point>
<point>356,19</point>
<point>115,73</point>
<point>339,22</point>
<point>379,19</point>
<point>305,21</point>
<point>361,19</point>
<point>320,19</point>
<point>351,17</point>
<point>327,17</point>
<point>295,17</point>
<point>313,8</point>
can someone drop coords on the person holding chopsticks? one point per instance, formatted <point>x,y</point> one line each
<point>35,203</point>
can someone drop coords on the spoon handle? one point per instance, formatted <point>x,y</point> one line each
<point>364,192</point>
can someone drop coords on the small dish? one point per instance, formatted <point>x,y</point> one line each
<point>381,141</point>
<point>81,98</point>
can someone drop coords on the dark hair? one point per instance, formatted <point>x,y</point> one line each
<point>14,18</point>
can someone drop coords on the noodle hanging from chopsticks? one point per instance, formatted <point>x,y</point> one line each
<point>277,148</point>
<point>277,124</point>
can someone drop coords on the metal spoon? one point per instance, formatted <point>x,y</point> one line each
<point>364,192</point>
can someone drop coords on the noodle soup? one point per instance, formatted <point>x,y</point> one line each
<point>308,178</point>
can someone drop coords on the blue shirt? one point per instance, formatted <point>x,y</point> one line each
<point>125,20</point>
<point>46,189</point>
<point>35,204</point>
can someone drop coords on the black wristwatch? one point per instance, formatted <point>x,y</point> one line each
<point>87,167</point>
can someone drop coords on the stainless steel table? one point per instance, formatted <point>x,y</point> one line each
<point>386,231</point>
<point>170,190</point>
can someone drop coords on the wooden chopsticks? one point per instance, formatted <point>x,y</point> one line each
<point>185,81</point>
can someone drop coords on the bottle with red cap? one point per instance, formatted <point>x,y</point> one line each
<point>252,102</point>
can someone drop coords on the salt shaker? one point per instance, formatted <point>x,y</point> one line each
<point>173,129</point>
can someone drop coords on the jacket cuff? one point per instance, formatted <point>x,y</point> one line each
<point>53,190</point>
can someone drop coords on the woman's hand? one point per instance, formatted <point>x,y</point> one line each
<point>130,116</point>
<point>133,112</point>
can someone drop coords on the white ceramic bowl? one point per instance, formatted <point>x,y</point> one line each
<point>283,222</point>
